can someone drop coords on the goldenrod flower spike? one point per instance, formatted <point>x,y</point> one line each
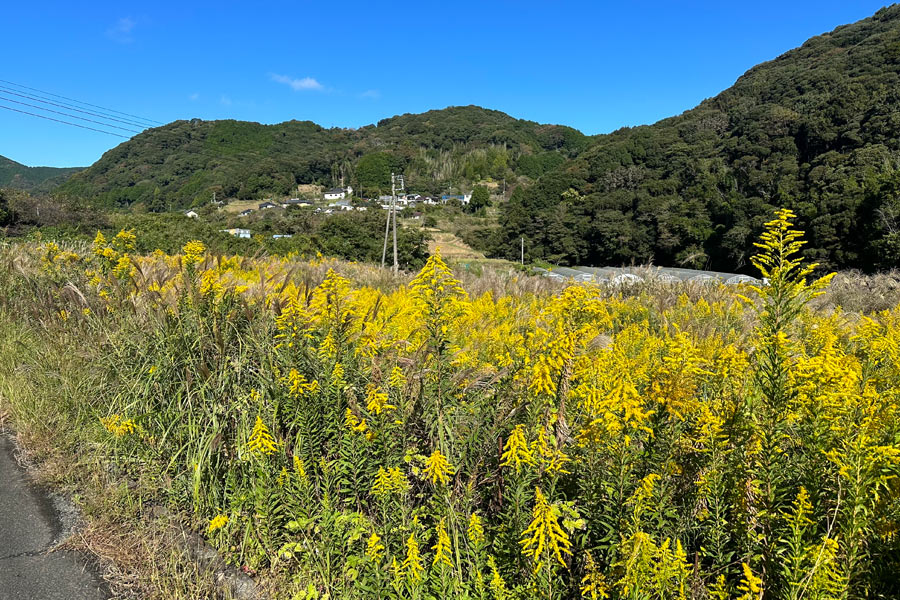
<point>545,533</point>
<point>475,531</point>
<point>193,252</point>
<point>437,468</point>
<point>516,451</point>
<point>412,564</point>
<point>261,441</point>
<point>374,548</point>
<point>441,548</point>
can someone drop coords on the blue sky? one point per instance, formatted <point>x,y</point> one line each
<point>596,66</point>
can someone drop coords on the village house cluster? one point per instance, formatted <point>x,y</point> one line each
<point>342,199</point>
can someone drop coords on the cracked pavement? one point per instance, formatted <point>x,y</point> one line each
<point>29,530</point>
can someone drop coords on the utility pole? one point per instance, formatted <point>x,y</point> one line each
<point>523,250</point>
<point>395,182</point>
<point>387,227</point>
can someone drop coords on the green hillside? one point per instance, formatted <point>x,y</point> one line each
<point>184,162</point>
<point>35,179</point>
<point>817,129</point>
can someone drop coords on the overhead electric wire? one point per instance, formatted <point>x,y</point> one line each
<point>7,90</point>
<point>11,91</point>
<point>68,115</point>
<point>80,102</point>
<point>25,112</point>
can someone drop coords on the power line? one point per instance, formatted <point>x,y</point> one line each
<point>6,90</point>
<point>80,102</point>
<point>68,115</point>
<point>25,112</point>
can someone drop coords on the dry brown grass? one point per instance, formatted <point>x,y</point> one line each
<point>452,248</point>
<point>236,206</point>
<point>855,292</point>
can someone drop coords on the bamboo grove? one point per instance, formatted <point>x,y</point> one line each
<point>355,437</point>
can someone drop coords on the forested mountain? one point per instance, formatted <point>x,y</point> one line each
<point>37,179</point>
<point>184,162</point>
<point>817,130</point>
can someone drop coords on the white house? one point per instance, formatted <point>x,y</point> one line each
<point>341,205</point>
<point>241,233</point>
<point>338,193</point>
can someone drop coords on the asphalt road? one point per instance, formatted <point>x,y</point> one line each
<point>29,528</point>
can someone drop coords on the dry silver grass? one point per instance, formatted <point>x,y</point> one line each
<point>855,292</point>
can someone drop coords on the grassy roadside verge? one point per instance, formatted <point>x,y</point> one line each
<point>52,384</point>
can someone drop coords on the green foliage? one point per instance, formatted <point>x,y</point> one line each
<point>481,198</point>
<point>373,173</point>
<point>187,160</point>
<point>6,215</point>
<point>816,130</point>
<point>32,179</point>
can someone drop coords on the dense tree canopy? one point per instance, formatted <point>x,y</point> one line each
<point>437,150</point>
<point>816,130</point>
<point>5,214</point>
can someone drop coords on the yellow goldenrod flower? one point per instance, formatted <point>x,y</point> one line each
<point>412,564</point>
<point>99,244</point>
<point>441,548</point>
<point>299,468</point>
<point>382,486</point>
<point>282,477</point>
<point>298,386</point>
<point>337,376</point>
<point>376,401</point>
<point>327,348</point>
<point>350,419</point>
<point>437,468</point>
<point>125,241</point>
<point>544,533</point>
<point>498,585</point>
<point>475,531</point>
<point>396,379</point>
<point>124,268</point>
<point>551,457</point>
<point>593,584</point>
<point>218,522</point>
<point>389,481</point>
<point>193,253</point>
<point>516,451</point>
<point>118,426</point>
<point>750,585</point>
<point>261,441</point>
<point>374,548</point>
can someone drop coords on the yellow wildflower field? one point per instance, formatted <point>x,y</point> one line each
<point>351,434</point>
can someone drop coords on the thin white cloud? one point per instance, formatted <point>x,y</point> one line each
<point>371,94</point>
<point>298,85</point>
<point>121,30</point>
<point>225,100</point>
<point>194,97</point>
